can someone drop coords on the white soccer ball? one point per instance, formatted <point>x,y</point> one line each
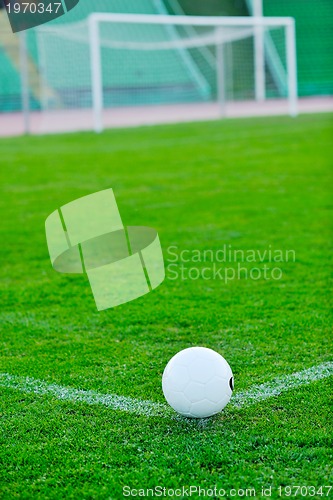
<point>197,382</point>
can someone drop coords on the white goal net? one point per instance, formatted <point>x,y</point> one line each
<point>113,61</point>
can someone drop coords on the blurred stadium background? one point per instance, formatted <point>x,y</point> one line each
<point>173,82</point>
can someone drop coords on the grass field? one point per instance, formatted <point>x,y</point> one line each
<point>252,184</point>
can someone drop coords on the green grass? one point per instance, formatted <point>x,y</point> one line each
<point>248,183</point>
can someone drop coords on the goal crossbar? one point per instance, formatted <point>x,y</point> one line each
<point>191,20</point>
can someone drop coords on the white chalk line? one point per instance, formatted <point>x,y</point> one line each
<point>255,394</point>
<point>279,385</point>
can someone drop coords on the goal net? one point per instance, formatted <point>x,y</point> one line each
<point>113,61</point>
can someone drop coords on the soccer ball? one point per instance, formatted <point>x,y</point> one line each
<point>197,382</point>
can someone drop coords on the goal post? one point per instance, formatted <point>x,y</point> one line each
<point>96,74</point>
<point>259,51</point>
<point>219,25</point>
<point>291,67</point>
<point>207,67</point>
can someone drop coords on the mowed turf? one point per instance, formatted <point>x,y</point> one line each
<point>251,184</point>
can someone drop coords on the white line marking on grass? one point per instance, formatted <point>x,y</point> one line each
<point>254,395</point>
<point>282,384</point>
<point>39,387</point>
